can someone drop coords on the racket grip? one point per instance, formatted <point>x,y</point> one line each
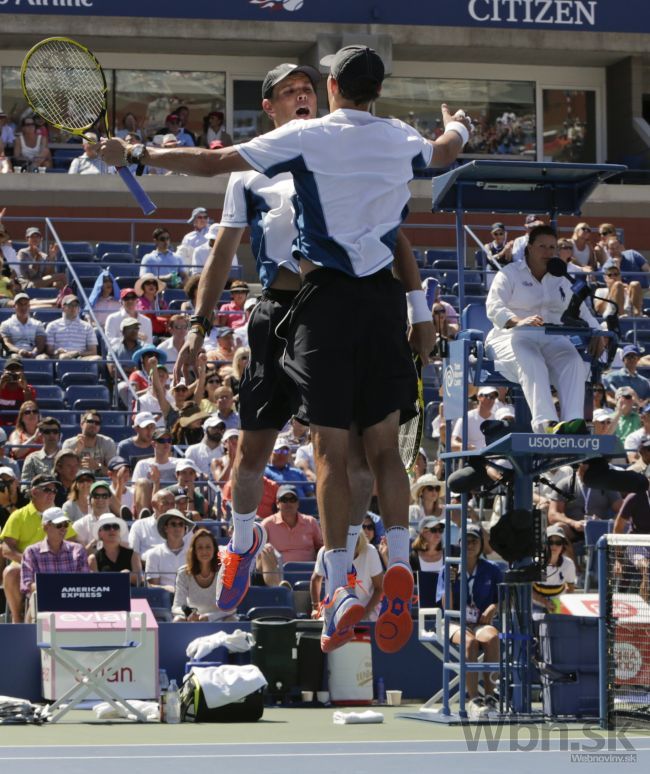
<point>137,190</point>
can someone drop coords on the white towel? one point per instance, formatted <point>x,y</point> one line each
<point>149,709</point>
<point>227,683</point>
<point>369,716</point>
<point>237,642</point>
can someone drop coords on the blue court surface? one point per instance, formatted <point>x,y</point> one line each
<point>81,746</point>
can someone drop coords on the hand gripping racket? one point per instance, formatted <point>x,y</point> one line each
<point>64,83</point>
<point>410,433</point>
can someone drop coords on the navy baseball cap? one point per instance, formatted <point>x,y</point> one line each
<point>352,63</point>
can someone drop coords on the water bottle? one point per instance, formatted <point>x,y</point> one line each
<point>380,691</point>
<point>172,704</point>
<point>163,681</point>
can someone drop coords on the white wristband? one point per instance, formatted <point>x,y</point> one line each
<point>417,308</point>
<point>461,129</point>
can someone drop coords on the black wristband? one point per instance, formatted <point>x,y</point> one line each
<point>201,322</point>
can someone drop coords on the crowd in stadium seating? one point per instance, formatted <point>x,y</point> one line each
<point>25,142</point>
<point>140,467</point>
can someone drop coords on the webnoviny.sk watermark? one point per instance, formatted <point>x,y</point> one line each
<point>587,742</point>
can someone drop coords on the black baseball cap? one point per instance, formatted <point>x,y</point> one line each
<point>279,73</point>
<point>352,63</point>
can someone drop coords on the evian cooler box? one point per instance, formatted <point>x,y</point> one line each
<point>136,674</point>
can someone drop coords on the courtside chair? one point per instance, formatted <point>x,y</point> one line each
<point>113,247</point>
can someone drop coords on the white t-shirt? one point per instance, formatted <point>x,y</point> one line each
<point>144,535</point>
<point>265,205</point>
<point>475,437</point>
<point>305,455</point>
<point>565,573</point>
<point>162,563</point>
<point>351,172</point>
<point>167,471</point>
<point>202,455</point>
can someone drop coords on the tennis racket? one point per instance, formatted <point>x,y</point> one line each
<point>64,83</point>
<point>410,433</point>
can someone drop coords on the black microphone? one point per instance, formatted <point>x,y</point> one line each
<point>580,289</point>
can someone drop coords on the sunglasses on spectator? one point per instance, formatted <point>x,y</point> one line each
<point>627,397</point>
<point>613,274</point>
<point>566,247</point>
<point>92,421</point>
<point>48,489</point>
<point>101,495</point>
<point>52,431</point>
<point>288,499</point>
<point>606,233</point>
<point>62,525</point>
<point>368,526</point>
<point>555,541</point>
<point>31,411</point>
<point>430,488</point>
<point>111,527</point>
<point>163,239</point>
<point>491,395</point>
<point>439,528</point>
<point>585,228</point>
<point>162,440</point>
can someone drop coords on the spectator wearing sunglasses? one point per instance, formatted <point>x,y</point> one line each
<point>605,231</point>
<point>487,397</point>
<point>296,536</point>
<point>24,527</point>
<point>628,375</point>
<point>52,554</point>
<point>560,571</point>
<point>427,499</point>
<point>111,552</point>
<point>94,448</point>
<point>42,461</point>
<point>162,262</point>
<point>164,560</point>
<point>427,558</point>
<point>583,254</point>
<point>280,470</point>
<point>99,503</point>
<point>626,415</point>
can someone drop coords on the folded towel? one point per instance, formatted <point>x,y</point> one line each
<point>369,716</point>
<point>228,683</point>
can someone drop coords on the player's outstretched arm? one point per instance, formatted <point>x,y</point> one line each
<point>457,130</point>
<point>201,162</point>
<point>422,335</point>
<point>213,280</point>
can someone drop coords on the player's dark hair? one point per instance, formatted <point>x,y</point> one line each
<point>543,230</point>
<point>361,91</point>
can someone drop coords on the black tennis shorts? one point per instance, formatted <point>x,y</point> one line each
<point>267,397</point>
<point>347,349</point>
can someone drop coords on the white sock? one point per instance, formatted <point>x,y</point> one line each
<point>242,535</point>
<point>353,535</point>
<point>398,545</point>
<point>336,569</point>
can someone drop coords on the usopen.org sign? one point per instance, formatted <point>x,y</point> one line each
<point>562,444</point>
<point>574,15</point>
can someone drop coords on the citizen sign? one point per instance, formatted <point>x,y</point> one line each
<point>581,13</point>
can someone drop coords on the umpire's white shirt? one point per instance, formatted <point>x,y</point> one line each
<point>351,172</point>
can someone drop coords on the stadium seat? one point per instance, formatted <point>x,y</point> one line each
<point>265,596</point>
<point>76,372</point>
<point>92,392</point>
<point>159,599</point>
<point>49,397</point>
<point>474,316</point>
<point>38,366</point>
<point>79,248</point>
<point>443,264</point>
<point>308,506</point>
<point>174,294</point>
<point>79,257</point>
<point>433,257</point>
<point>113,247</point>
<point>42,293</point>
<point>298,571</point>
<point>142,249</point>
<point>46,315</point>
<point>116,433</point>
<point>68,431</point>
<point>38,377</point>
<point>430,413</point>
<point>471,289</point>
<point>112,258</point>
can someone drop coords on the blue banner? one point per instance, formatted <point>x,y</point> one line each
<point>572,15</point>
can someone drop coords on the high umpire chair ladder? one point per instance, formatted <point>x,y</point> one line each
<point>499,187</point>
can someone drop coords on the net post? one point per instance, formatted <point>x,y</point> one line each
<point>603,606</point>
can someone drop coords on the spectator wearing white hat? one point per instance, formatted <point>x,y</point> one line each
<point>198,236</point>
<point>140,445</point>
<point>163,561</point>
<point>475,418</point>
<point>603,421</point>
<point>427,499</point>
<point>560,571</point>
<point>100,501</point>
<point>209,448</point>
<point>111,553</point>
<point>187,474</point>
<point>53,554</point>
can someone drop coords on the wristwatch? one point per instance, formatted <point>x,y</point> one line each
<point>136,154</point>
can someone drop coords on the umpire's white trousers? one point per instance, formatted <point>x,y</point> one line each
<point>537,361</point>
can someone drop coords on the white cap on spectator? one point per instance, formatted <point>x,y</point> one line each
<point>186,464</point>
<point>144,418</point>
<point>505,411</point>
<point>5,471</point>
<point>602,414</point>
<point>54,516</point>
<point>232,433</point>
